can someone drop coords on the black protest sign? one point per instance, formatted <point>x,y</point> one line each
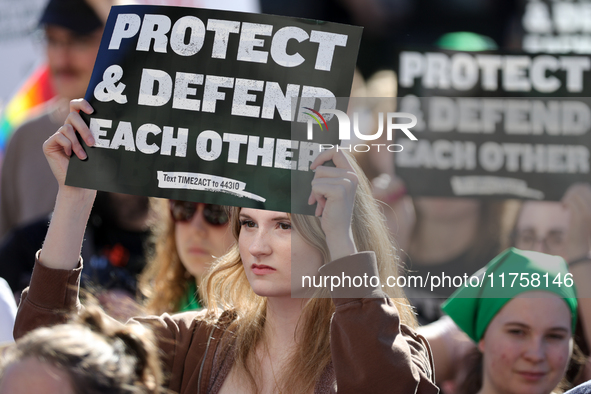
<point>556,26</point>
<point>198,105</point>
<point>494,125</point>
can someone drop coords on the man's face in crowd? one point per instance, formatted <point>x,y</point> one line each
<point>71,59</point>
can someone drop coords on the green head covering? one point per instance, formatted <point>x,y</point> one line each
<point>466,41</point>
<point>473,307</point>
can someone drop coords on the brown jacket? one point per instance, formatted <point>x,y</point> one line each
<point>372,352</point>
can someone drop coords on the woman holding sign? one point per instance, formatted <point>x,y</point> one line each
<point>255,337</point>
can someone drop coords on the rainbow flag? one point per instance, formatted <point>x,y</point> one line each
<point>35,91</point>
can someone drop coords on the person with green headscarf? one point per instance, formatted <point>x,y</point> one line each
<point>523,328</point>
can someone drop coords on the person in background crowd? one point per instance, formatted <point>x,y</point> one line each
<point>72,30</point>
<point>556,228</point>
<point>115,245</point>
<point>564,229</point>
<point>452,236</point>
<point>188,237</point>
<point>7,312</point>
<point>115,241</point>
<point>524,333</point>
<point>90,356</point>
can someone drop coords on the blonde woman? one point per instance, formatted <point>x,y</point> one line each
<point>256,338</point>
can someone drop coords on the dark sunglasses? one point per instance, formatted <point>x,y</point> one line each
<point>183,211</point>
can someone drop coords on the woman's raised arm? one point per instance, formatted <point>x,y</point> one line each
<point>372,351</point>
<point>61,249</point>
<point>53,293</point>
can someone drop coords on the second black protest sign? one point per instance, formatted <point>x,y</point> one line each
<point>495,124</point>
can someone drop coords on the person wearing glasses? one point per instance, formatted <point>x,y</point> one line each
<point>188,237</point>
<point>254,337</point>
<point>558,228</point>
<point>72,31</point>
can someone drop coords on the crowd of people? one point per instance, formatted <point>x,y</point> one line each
<point>130,294</point>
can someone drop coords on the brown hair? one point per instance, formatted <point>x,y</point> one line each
<point>99,355</point>
<point>227,288</point>
<point>165,279</point>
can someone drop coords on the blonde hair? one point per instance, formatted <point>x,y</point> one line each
<point>164,281</point>
<point>227,288</point>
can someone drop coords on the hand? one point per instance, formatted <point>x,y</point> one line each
<point>61,249</point>
<point>577,200</point>
<point>333,188</point>
<point>59,147</point>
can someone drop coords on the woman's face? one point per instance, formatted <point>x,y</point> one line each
<point>267,248</point>
<point>542,227</point>
<point>33,376</point>
<point>527,345</point>
<point>199,242</point>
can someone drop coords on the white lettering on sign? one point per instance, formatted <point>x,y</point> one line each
<point>157,33</point>
<point>462,72</point>
<point>249,150</point>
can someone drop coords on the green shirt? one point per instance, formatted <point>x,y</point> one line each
<point>190,302</point>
